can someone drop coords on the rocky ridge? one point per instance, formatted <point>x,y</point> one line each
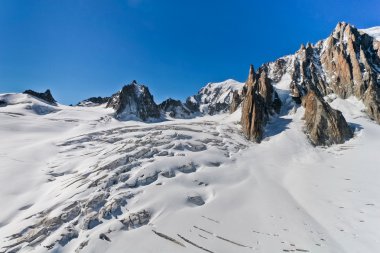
<point>94,101</point>
<point>175,109</point>
<point>347,63</point>
<point>45,96</point>
<point>260,102</point>
<point>134,101</point>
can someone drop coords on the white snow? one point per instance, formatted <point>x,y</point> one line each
<point>217,93</point>
<point>373,31</point>
<point>282,194</point>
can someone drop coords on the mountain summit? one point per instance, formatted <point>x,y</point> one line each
<point>134,101</point>
<point>80,179</point>
<point>346,64</point>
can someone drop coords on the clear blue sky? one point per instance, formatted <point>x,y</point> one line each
<point>83,48</point>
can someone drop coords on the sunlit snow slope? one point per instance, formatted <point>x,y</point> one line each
<point>73,179</point>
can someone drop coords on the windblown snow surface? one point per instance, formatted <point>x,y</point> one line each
<point>76,180</point>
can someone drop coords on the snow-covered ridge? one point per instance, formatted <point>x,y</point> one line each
<point>88,183</point>
<point>134,102</point>
<point>26,103</point>
<point>373,31</point>
<point>216,97</point>
<point>78,180</point>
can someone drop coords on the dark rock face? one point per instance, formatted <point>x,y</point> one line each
<point>46,96</point>
<point>268,94</point>
<point>324,125</point>
<point>94,101</point>
<point>260,102</point>
<point>3,103</point>
<point>236,100</point>
<point>192,104</point>
<point>371,100</point>
<point>133,101</point>
<point>253,116</point>
<point>175,108</point>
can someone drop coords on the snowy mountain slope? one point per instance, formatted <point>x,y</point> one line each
<point>373,31</point>
<point>214,97</point>
<point>75,179</point>
<point>79,181</point>
<point>27,103</point>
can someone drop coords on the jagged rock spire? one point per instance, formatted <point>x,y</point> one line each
<point>251,76</point>
<point>260,101</point>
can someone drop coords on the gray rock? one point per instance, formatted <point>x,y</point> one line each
<point>134,101</point>
<point>175,108</point>
<point>45,96</point>
<point>103,236</point>
<point>94,101</point>
<point>196,200</point>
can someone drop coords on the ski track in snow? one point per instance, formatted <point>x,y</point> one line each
<point>76,180</point>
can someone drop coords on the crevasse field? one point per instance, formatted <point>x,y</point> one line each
<point>74,179</point>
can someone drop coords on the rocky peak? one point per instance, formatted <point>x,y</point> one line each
<point>134,101</point>
<point>324,125</point>
<point>175,108</point>
<point>351,60</point>
<point>251,76</point>
<point>94,101</point>
<point>261,100</point>
<point>45,96</point>
<point>267,92</point>
<point>347,63</point>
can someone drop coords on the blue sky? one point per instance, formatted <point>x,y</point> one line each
<point>83,48</point>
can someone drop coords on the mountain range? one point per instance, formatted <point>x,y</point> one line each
<point>284,162</point>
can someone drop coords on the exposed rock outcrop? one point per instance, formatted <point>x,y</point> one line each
<point>236,100</point>
<point>94,101</point>
<point>371,100</point>
<point>175,108</point>
<point>324,125</point>
<point>260,102</point>
<point>134,101</point>
<point>347,63</point>
<point>45,96</point>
